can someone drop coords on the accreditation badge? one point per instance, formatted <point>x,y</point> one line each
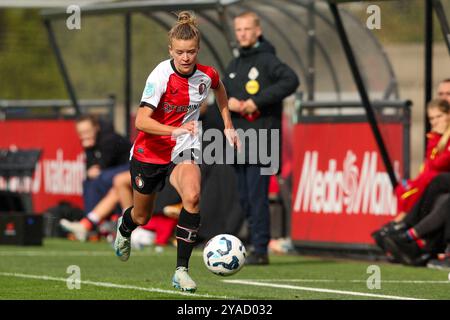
<point>252,87</point>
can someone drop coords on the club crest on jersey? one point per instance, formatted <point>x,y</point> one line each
<point>201,88</point>
<point>139,182</point>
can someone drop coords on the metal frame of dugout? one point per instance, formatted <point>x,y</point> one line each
<point>386,111</point>
<point>55,109</point>
<point>128,8</point>
<point>150,7</point>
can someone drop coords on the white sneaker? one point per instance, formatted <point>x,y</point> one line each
<point>122,245</point>
<point>78,230</point>
<point>181,280</point>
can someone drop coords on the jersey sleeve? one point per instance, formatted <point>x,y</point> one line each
<point>214,78</point>
<point>155,87</point>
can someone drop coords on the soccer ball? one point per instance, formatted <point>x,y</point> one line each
<point>224,255</point>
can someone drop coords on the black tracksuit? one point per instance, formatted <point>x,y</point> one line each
<point>258,74</point>
<point>110,149</point>
<point>111,152</point>
<point>276,81</point>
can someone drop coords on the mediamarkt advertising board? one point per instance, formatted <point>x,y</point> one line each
<point>341,190</point>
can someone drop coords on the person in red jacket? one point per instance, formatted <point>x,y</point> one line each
<point>430,188</point>
<point>435,161</point>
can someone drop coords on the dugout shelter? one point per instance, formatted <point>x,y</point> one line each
<point>347,83</point>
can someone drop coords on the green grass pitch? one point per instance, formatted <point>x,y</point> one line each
<point>42,273</point>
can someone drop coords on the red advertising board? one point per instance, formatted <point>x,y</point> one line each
<point>59,173</point>
<point>341,190</point>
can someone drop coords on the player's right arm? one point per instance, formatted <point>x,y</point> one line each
<point>155,87</point>
<point>144,122</point>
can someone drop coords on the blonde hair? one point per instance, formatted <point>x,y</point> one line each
<point>440,104</point>
<point>444,107</point>
<point>186,27</point>
<point>250,14</point>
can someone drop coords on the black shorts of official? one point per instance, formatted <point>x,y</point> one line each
<point>147,178</point>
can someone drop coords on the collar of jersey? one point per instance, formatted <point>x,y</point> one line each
<point>180,74</point>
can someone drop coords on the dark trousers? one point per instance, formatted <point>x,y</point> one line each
<point>438,186</point>
<point>441,185</point>
<point>447,227</point>
<point>430,213</point>
<point>253,191</point>
<point>95,189</point>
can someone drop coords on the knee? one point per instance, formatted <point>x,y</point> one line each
<point>120,180</point>
<point>191,200</point>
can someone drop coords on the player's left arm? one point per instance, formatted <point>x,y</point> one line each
<point>222,103</point>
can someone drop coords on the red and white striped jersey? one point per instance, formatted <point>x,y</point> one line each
<point>175,99</point>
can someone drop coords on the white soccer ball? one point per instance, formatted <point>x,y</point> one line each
<point>141,238</point>
<point>224,255</point>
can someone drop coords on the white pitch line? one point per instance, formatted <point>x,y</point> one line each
<point>113,285</point>
<point>56,253</point>
<point>353,281</point>
<point>79,253</point>
<point>322,290</point>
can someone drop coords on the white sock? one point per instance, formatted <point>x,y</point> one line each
<point>93,217</point>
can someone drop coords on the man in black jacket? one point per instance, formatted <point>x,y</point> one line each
<point>256,83</point>
<point>107,154</point>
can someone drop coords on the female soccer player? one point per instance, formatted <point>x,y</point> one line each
<point>168,142</point>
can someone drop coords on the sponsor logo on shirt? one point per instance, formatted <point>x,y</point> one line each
<point>171,108</point>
